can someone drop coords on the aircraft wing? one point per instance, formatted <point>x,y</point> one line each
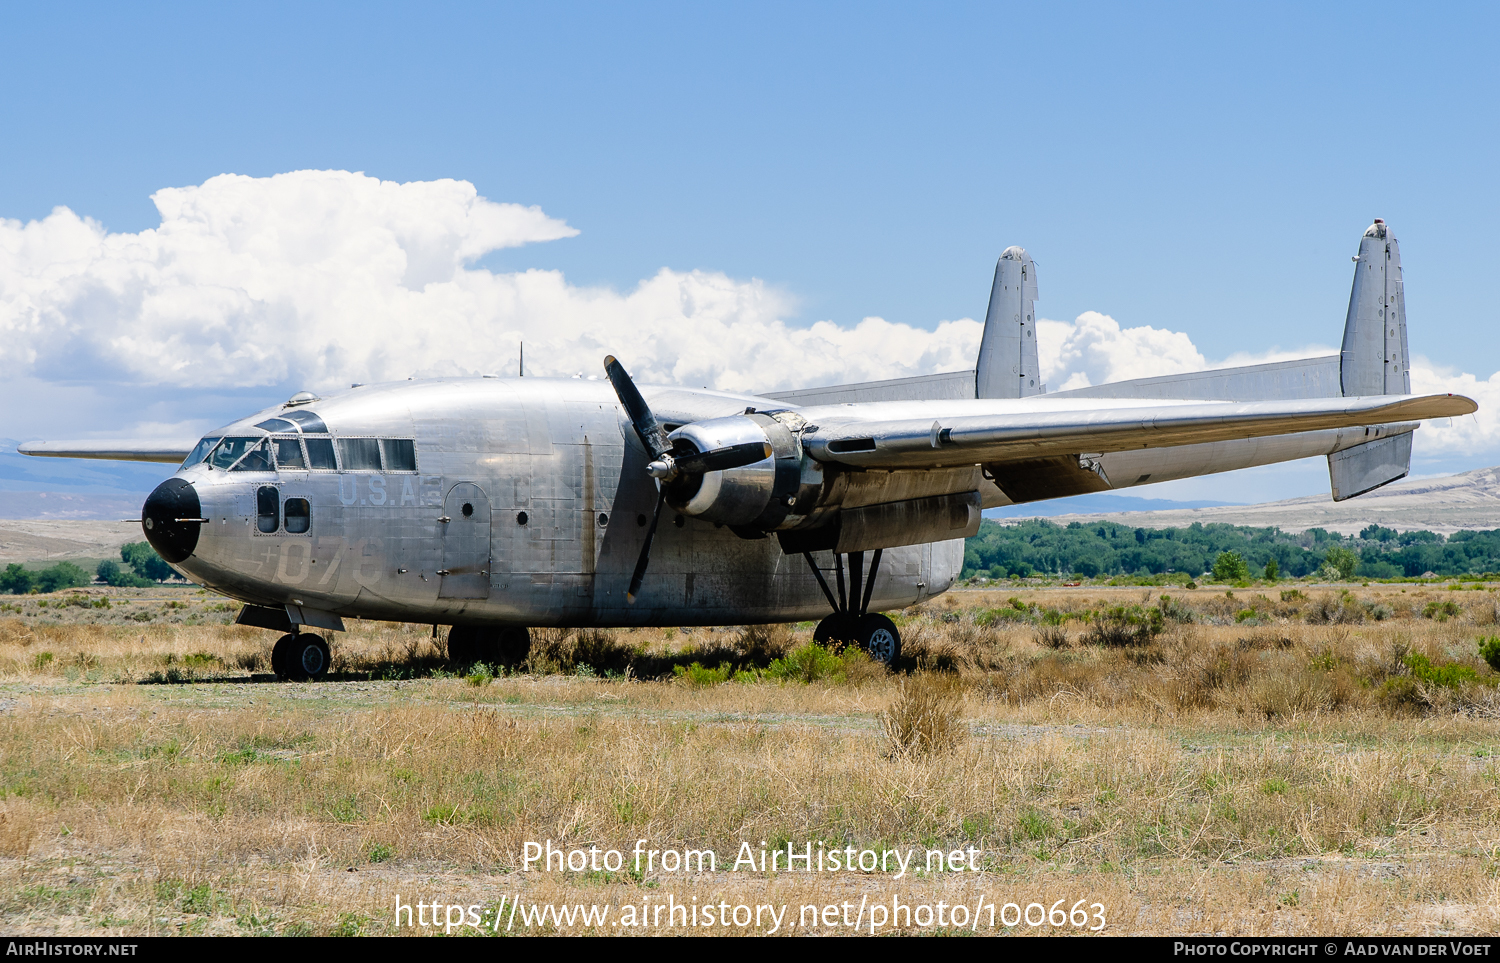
<point>111,450</point>
<point>851,436</point>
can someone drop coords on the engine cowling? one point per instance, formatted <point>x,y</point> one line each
<point>753,499</point>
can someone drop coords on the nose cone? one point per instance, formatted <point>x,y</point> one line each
<point>171,519</point>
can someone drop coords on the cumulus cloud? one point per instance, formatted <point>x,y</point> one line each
<point>1095,350</point>
<point>321,278</point>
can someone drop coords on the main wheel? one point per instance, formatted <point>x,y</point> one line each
<point>307,658</point>
<point>281,654</point>
<point>835,630</point>
<point>515,645</point>
<point>492,645</point>
<point>461,645</point>
<point>878,636</point>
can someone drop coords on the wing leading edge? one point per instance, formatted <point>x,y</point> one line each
<point>842,436</point>
<point>112,450</point>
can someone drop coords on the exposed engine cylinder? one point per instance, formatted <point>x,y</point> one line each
<point>755,497</point>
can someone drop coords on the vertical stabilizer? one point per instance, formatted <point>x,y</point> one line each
<point>1374,360</point>
<point>1007,365</point>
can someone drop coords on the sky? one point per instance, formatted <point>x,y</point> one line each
<point>204,208</point>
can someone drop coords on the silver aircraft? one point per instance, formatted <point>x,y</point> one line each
<point>496,504</point>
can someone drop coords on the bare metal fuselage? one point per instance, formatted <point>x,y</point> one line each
<point>558,501</point>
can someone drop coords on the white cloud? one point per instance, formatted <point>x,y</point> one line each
<point>324,277</point>
<point>321,278</point>
<point>1095,350</point>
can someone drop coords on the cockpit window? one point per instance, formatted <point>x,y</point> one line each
<point>288,453</point>
<point>308,421</point>
<point>258,458</point>
<point>230,450</point>
<point>276,424</point>
<point>360,454</point>
<point>200,451</point>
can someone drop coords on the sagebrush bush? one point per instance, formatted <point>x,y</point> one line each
<point>925,718</point>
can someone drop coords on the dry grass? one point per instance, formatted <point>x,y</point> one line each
<point>1287,771</point>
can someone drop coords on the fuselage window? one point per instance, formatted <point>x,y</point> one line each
<point>298,516</point>
<point>400,454</point>
<point>359,454</point>
<point>200,451</point>
<point>230,450</point>
<point>267,508</point>
<point>288,453</point>
<point>257,458</point>
<point>276,424</point>
<point>320,454</point>
<point>309,421</point>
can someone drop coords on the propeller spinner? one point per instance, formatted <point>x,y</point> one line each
<point>666,467</point>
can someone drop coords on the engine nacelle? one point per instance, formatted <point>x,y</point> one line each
<point>753,499</point>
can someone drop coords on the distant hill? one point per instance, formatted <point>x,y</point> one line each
<point>1450,503</point>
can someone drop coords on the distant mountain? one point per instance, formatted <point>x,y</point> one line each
<point>1446,504</point>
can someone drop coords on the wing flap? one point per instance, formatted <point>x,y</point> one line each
<point>1018,436</point>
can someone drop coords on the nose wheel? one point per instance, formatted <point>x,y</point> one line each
<point>851,623</point>
<point>301,657</point>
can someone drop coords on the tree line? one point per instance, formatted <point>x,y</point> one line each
<point>145,568</point>
<point>1041,547</point>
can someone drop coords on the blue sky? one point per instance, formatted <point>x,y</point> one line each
<point>1203,169</point>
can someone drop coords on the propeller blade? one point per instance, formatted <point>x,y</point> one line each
<point>645,423</point>
<point>639,574</point>
<point>720,459</point>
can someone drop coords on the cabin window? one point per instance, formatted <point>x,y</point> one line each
<point>308,421</point>
<point>298,516</point>
<point>258,458</point>
<point>200,451</point>
<point>400,454</point>
<point>359,454</point>
<point>229,451</point>
<point>288,453</point>
<point>320,454</point>
<point>267,509</point>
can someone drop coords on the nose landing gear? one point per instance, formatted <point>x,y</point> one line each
<point>851,623</point>
<point>300,657</point>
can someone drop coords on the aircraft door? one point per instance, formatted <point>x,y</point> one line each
<point>466,544</point>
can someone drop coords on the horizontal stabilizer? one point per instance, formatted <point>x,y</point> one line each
<point>1302,378</point>
<point>952,386</point>
<point>171,453</point>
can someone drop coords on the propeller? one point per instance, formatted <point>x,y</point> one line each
<point>666,467</point>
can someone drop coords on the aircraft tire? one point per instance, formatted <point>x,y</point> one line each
<point>835,630</point>
<point>515,645</point>
<point>308,658</point>
<point>879,636</point>
<point>281,655</point>
<point>461,645</point>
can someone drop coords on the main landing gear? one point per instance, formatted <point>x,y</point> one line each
<point>851,623</point>
<point>301,657</point>
<point>492,645</point>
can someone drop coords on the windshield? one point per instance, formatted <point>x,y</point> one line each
<point>200,451</point>
<point>230,450</point>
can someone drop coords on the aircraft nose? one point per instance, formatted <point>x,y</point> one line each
<point>171,518</point>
